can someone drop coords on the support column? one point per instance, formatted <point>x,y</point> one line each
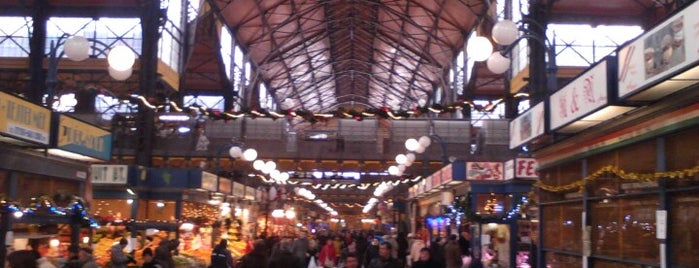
<point>537,53</point>
<point>37,45</point>
<point>148,81</point>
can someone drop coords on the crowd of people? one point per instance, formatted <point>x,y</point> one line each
<point>346,249</point>
<point>352,249</point>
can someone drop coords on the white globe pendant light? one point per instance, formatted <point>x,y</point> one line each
<point>120,75</point>
<point>121,58</point>
<point>235,152</point>
<point>479,48</point>
<point>250,155</point>
<point>411,144</point>
<point>425,141</point>
<point>77,48</point>
<point>258,164</point>
<point>505,32</point>
<point>401,159</point>
<point>497,63</point>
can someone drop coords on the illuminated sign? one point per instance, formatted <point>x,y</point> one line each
<point>24,120</point>
<point>82,138</point>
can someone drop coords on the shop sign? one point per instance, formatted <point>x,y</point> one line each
<point>509,170</point>
<point>526,168</point>
<point>585,94</point>
<point>24,120</point>
<point>527,126</point>
<point>428,184</point>
<point>664,50</point>
<point>238,190</point>
<point>209,181</point>
<point>109,174</point>
<point>249,193</point>
<point>225,185</point>
<point>484,171</point>
<point>436,180</point>
<point>82,138</point>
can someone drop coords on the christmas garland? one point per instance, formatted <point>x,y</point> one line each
<point>640,177</point>
<point>359,115</point>
<point>45,205</point>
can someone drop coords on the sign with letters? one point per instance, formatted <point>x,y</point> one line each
<point>109,174</point>
<point>24,120</point>
<point>587,93</point>
<point>82,138</point>
<point>526,168</point>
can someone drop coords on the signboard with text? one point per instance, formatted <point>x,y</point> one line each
<point>238,190</point>
<point>585,94</point>
<point>667,48</point>
<point>24,120</point>
<point>527,126</point>
<point>109,174</point>
<point>82,138</point>
<point>209,181</point>
<point>225,185</point>
<point>526,168</point>
<point>484,171</point>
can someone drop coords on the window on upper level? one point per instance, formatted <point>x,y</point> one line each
<point>208,102</point>
<point>14,36</point>
<point>108,106</point>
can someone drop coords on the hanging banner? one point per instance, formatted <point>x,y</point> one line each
<point>24,120</point>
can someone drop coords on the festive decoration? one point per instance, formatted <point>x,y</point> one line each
<point>641,177</point>
<point>45,205</point>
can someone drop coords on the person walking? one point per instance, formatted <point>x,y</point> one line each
<point>85,256</point>
<point>118,258</point>
<point>452,253</point>
<point>220,256</point>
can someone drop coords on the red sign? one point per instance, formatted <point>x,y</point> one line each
<point>526,168</point>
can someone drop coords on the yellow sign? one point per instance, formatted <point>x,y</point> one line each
<point>25,120</point>
<point>80,137</point>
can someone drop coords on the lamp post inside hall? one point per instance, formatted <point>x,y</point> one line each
<point>77,48</point>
